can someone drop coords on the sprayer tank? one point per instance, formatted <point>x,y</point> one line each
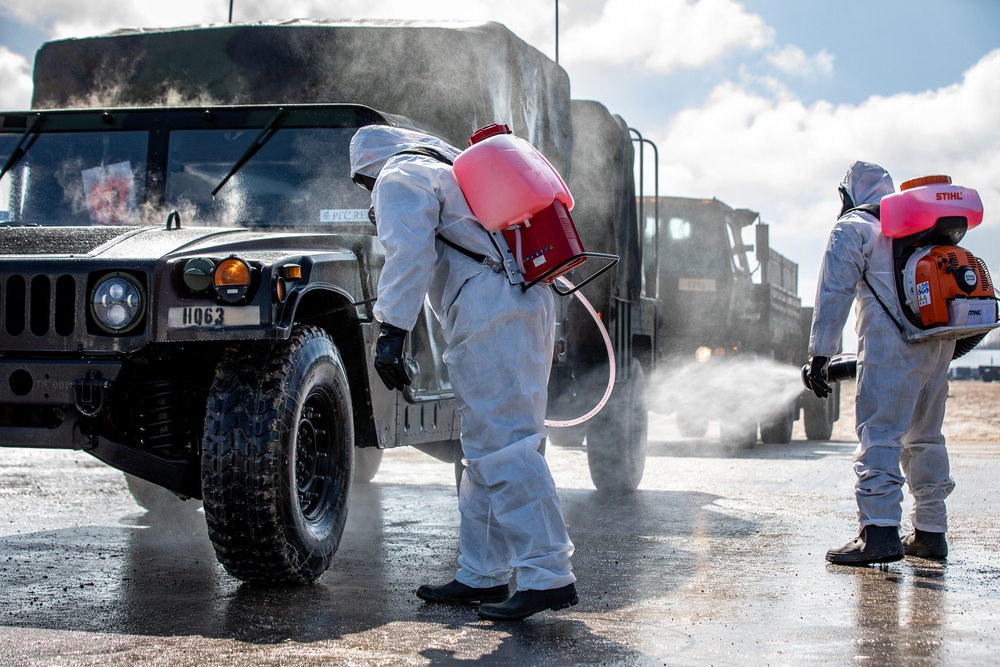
<point>921,202</point>
<point>506,181</point>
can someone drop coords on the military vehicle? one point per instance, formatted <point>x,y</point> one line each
<point>740,303</point>
<point>187,271</point>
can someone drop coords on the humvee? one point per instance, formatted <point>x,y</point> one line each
<point>186,289</point>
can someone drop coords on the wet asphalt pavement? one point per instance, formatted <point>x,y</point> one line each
<point>716,560</point>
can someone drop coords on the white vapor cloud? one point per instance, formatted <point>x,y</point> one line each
<point>69,18</point>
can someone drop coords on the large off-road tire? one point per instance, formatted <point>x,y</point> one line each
<point>277,458</point>
<point>819,417</point>
<point>692,426</point>
<point>617,437</point>
<point>154,498</point>
<point>367,461</point>
<point>777,429</point>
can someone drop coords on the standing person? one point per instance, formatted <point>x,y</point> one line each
<point>901,386</point>
<point>499,352</point>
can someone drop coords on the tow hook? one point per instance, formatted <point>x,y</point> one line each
<point>89,394</point>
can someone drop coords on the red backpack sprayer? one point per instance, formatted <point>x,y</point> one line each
<point>519,197</point>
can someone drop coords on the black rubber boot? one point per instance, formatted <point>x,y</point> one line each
<point>875,544</point>
<point>923,544</point>
<point>523,604</point>
<point>455,592</point>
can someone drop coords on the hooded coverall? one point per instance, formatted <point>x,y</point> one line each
<point>901,387</point>
<point>499,352</point>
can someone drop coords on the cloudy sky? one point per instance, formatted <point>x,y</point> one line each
<point>761,103</point>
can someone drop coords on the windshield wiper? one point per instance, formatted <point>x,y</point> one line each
<point>20,149</point>
<point>252,149</point>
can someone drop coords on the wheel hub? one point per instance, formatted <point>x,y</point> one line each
<point>312,459</point>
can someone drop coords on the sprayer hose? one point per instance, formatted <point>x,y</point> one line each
<point>611,361</point>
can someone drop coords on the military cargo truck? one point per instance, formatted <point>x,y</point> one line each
<point>723,300</point>
<point>187,271</point>
<point>616,437</point>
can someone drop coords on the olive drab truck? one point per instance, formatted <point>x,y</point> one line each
<point>187,272</point>
<point>724,300</point>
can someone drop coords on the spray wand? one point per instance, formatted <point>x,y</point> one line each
<point>841,367</point>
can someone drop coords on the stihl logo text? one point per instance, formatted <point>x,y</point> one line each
<point>945,196</point>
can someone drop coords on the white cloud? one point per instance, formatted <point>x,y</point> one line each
<point>665,35</point>
<point>794,60</point>
<point>15,73</point>
<point>770,152</point>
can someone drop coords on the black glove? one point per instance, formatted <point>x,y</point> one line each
<point>389,356</point>
<point>814,376</point>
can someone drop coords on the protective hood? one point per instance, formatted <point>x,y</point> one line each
<point>867,183</point>
<point>373,145</point>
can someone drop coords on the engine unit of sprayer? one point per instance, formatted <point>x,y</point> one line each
<point>945,291</point>
<point>948,286</point>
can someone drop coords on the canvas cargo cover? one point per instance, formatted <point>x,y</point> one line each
<point>448,77</point>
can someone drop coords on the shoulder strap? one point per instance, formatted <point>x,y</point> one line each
<point>864,276</point>
<point>427,151</point>
<point>873,209</point>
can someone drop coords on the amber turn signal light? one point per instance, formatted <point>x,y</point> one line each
<point>231,279</point>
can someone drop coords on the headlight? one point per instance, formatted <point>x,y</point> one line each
<point>117,303</point>
<point>703,354</point>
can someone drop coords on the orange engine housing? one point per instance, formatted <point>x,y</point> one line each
<point>934,277</point>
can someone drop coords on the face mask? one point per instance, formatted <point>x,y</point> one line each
<point>846,201</point>
<point>366,182</point>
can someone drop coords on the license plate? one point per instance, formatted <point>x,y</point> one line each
<point>212,317</point>
<point>697,285</point>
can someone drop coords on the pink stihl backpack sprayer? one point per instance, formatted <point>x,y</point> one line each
<point>944,290</point>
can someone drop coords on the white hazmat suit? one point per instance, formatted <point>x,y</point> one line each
<point>901,387</point>
<point>499,352</point>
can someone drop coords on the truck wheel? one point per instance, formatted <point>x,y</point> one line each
<point>740,434</point>
<point>818,416</point>
<point>777,429</point>
<point>277,458</point>
<point>366,463</point>
<point>616,437</point>
<point>692,426</point>
<point>154,498</point>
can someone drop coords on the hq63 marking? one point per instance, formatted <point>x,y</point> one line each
<point>212,317</point>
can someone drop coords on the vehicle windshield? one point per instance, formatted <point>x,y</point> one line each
<point>74,178</point>
<point>690,243</point>
<point>299,178</point>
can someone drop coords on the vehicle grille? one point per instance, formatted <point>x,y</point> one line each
<point>38,307</point>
